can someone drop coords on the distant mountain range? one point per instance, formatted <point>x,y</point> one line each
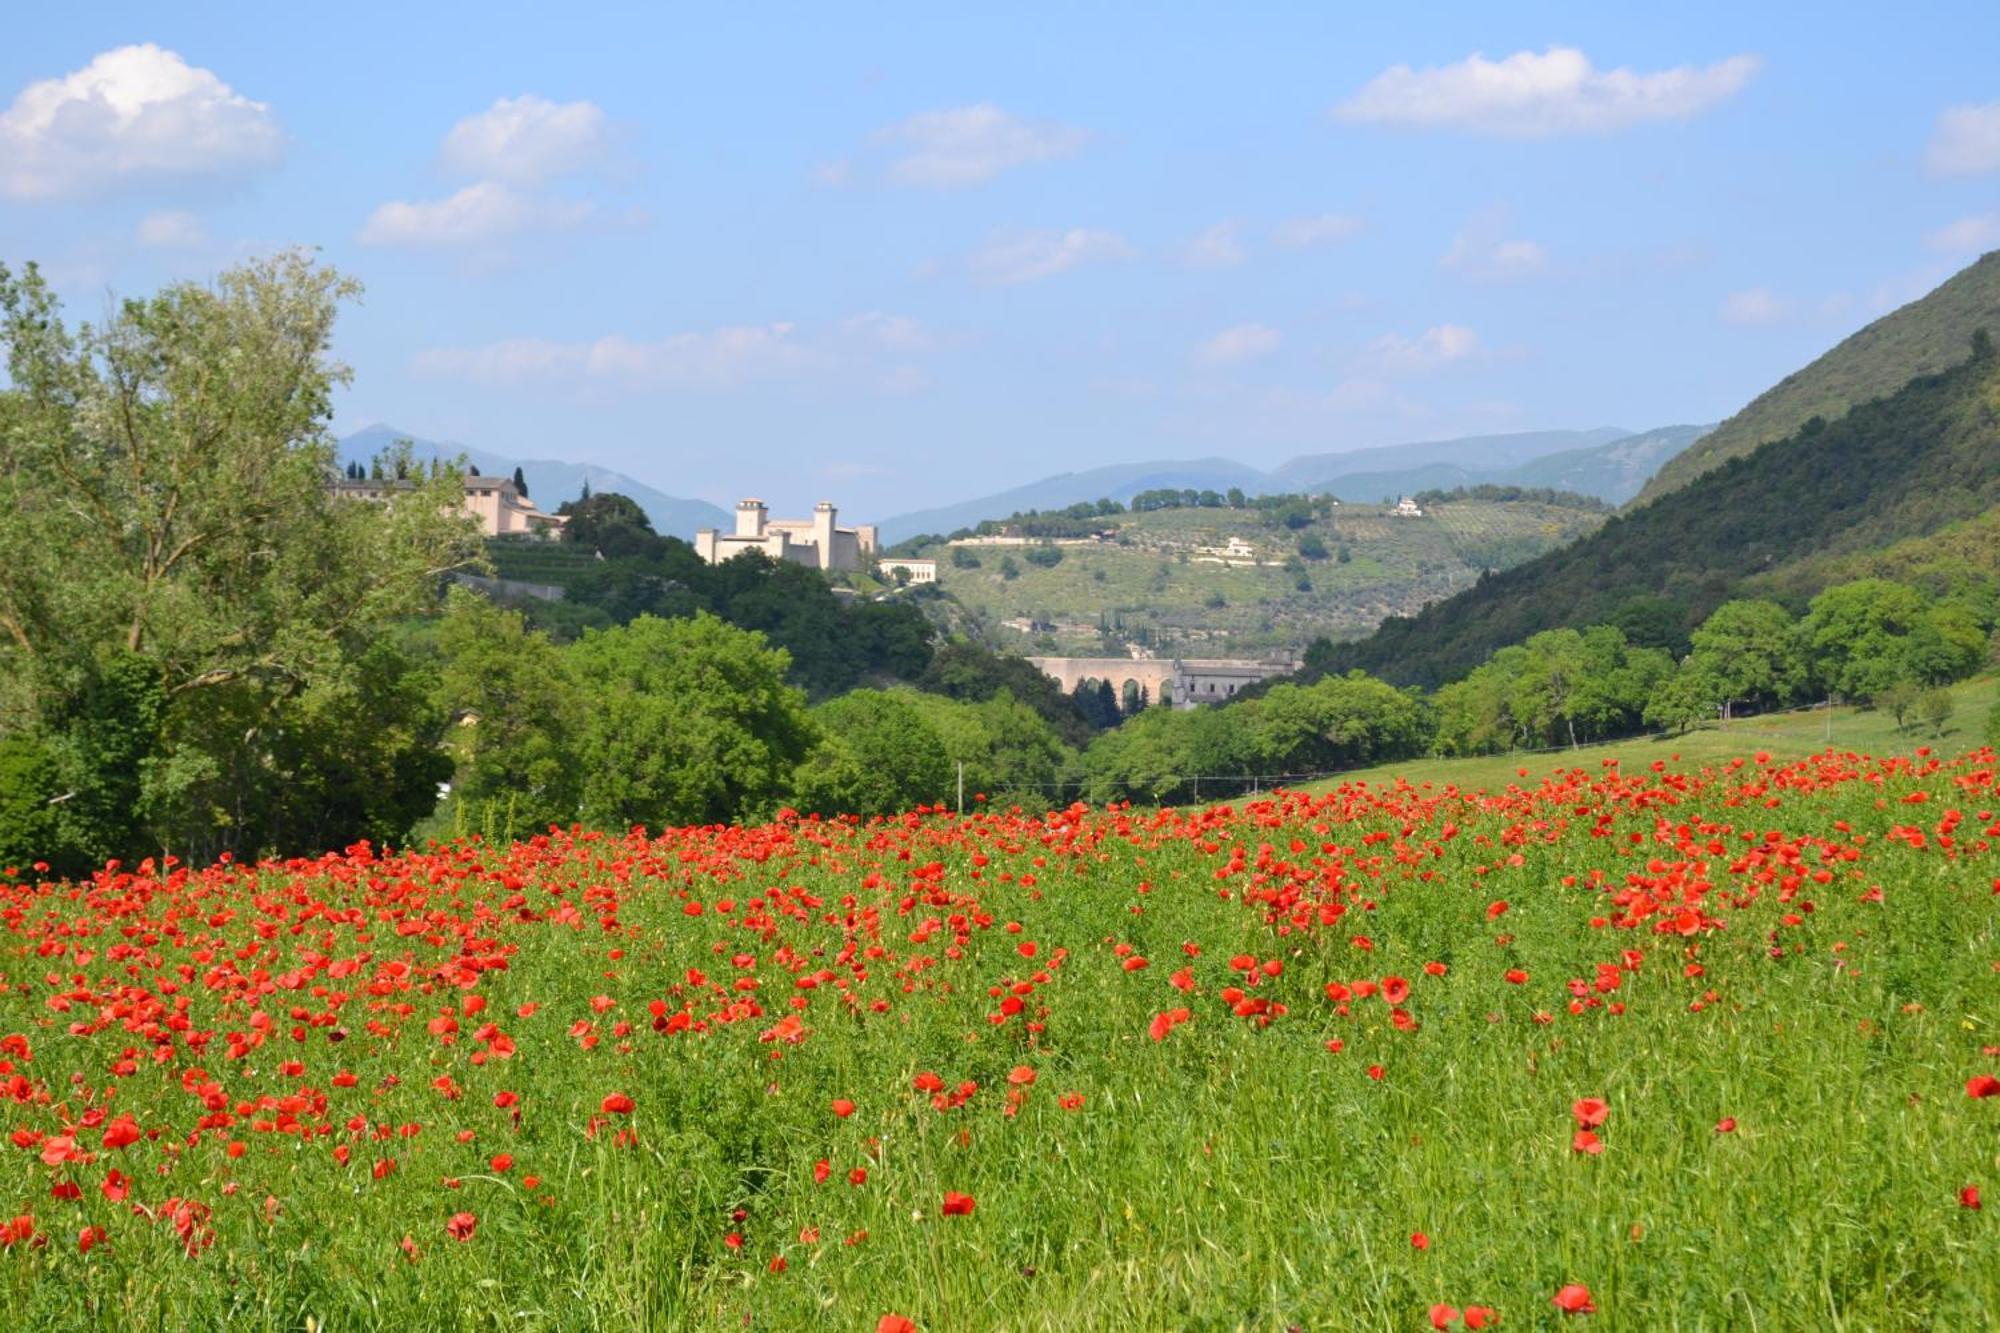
<point>550,481</point>
<point>1606,462</point>
<point>1609,463</point>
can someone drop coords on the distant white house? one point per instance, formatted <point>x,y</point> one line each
<point>1406,508</point>
<point>919,571</point>
<point>814,541</point>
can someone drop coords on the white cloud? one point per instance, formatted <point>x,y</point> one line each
<point>476,215</point>
<point>1319,229</point>
<point>1234,346</point>
<point>968,145</point>
<point>1394,354</point>
<point>1216,247</point>
<point>720,358</point>
<point>1755,305</point>
<point>172,231</point>
<point>526,140</point>
<point>1966,141</point>
<point>873,350</point>
<point>896,333</point>
<point>133,115</point>
<point>1974,235</point>
<point>1032,255</point>
<point>1530,96</point>
<point>1482,250</point>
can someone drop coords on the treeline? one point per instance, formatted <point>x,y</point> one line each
<point>834,643</point>
<point>693,720</point>
<point>1494,493</point>
<point>1874,641</point>
<point>1914,462</point>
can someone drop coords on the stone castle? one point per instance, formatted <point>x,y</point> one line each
<point>814,541</point>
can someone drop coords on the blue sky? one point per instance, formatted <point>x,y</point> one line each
<point>901,255</point>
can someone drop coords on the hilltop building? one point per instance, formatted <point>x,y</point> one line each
<point>501,509</point>
<point>814,541</point>
<point>1406,508</point>
<point>920,571</point>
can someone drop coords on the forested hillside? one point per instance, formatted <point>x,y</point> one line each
<point>1921,338</point>
<point>1910,464</point>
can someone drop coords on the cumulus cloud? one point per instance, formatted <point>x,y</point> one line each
<point>1216,247</point>
<point>1440,345</point>
<point>1029,256</point>
<point>1753,306</point>
<point>172,230</point>
<point>1532,96</point>
<point>1317,229</point>
<point>526,140</point>
<point>1973,235</point>
<point>1483,250</point>
<point>475,215</point>
<point>969,145</point>
<point>1966,141</point>
<point>133,116</point>
<point>1236,345</point>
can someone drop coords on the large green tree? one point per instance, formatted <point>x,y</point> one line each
<point>171,534</point>
<point>684,722</point>
<point>1751,652</point>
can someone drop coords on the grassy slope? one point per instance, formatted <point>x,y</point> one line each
<point>1919,339</point>
<point>1396,566</point>
<point>1782,735</point>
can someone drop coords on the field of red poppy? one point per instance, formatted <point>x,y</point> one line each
<point>1647,1049</point>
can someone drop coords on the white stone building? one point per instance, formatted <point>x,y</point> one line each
<point>814,541</point>
<point>920,571</point>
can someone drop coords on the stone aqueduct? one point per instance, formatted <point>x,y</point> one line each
<point>1186,681</point>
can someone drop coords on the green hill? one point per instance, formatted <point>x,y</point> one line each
<point>1915,463</point>
<point>1921,338</point>
<point>1167,579</point>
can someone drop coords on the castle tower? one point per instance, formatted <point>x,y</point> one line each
<point>823,532</point>
<point>750,517</point>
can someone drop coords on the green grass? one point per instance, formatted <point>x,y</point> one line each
<point>1834,985</point>
<point>1151,586</point>
<point>1784,736</point>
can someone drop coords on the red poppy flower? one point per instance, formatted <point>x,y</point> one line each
<point>461,1226</point>
<point>894,1323</point>
<point>842,1107</point>
<point>1969,1197</point>
<point>1982,1085</point>
<point>1590,1112</point>
<point>1726,1125</point>
<point>957,1205</point>
<point>1021,1076</point>
<point>1480,1316</point>
<point>1574,1299</point>
<point>617,1103</point>
<point>1443,1316</point>
<point>1419,1241</point>
<point>1586,1141</point>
